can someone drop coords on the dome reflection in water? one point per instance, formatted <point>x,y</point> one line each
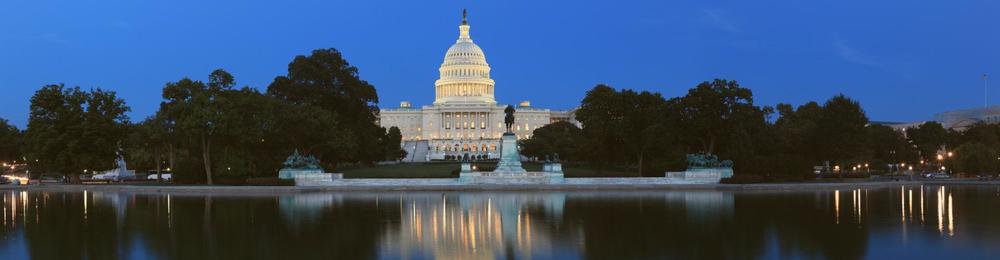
<point>919,221</point>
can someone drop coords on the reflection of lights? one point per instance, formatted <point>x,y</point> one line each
<point>951,218</point>
<point>940,209</point>
<point>910,205</point>
<point>169,216</point>
<point>859,206</point>
<point>85,205</point>
<point>921,204</point>
<point>836,205</point>
<point>902,205</point>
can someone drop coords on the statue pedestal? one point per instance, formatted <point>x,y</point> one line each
<point>466,167</point>
<point>701,175</point>
<point>288,174</point>
<point>510,158</point>
<point>552,167</point>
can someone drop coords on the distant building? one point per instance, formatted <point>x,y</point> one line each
<point>962,119</point>
<point>465,117</point>
<point>955,120</point>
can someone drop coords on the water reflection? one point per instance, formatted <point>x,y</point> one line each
<point>489,225</point>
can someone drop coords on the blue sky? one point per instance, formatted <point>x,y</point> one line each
<point>904,60</point>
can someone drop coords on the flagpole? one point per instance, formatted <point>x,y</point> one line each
<point>986,96</point>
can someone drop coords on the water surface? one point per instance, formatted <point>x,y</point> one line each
<point>910,221</point>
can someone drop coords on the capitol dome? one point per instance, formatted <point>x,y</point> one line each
<point>464,74</point>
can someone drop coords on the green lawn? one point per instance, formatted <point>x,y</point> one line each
<point>450,170</point>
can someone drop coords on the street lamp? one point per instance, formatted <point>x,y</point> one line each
<point>940,157</point>
<point>950,154</point>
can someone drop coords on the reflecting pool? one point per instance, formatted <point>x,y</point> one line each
<point>904,221</point>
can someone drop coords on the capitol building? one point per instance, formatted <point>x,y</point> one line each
<point>465,117</point>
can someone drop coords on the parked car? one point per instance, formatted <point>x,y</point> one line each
<point>937,175</point>
<point>166,176</point>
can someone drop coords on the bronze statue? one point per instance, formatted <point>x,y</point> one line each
<point>509,119</point>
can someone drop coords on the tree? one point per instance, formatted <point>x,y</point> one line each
<point>563,138</point>
<point>150,140</point>
<point>840,134</point>
<point>976,158</point>
<point>987,134</point>
<point>625,124</point>
<point>325,86</point>
<point>886,145</point>
<point>196,108</point>
<point>601,113</point>
<point>70,130</point>
<point>393,139</point>
<point>929,137</point>
<point>10,142</point>
<point>711,111</point>
<point>643,124</point>
<point>794,139</point>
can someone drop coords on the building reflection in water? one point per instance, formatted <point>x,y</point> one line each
<point>474,226</point>
<point>486,225</point>
<point>497,225</point>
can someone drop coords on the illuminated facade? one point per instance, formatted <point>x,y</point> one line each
<point>465,117</point>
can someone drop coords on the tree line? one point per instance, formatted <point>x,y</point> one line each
<point>651,134</point>
<point>209,129</point>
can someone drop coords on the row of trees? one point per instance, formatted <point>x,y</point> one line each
<point>207,129</point>
<point>11,141</point>
<point>652,134</point>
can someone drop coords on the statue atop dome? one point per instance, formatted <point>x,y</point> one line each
<point>465,14</point>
